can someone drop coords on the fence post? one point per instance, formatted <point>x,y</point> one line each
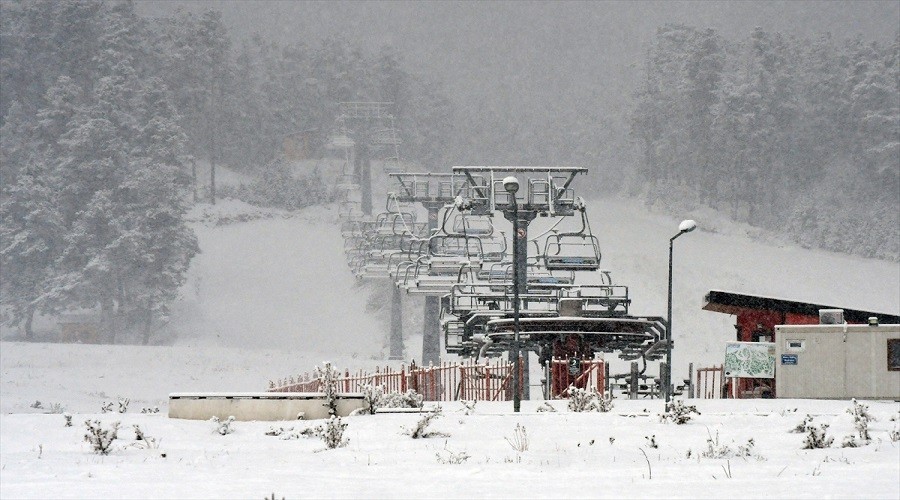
<point>403,379</point>
<point>691,380</point>
<point>547,394</point>
<point>414,376</point>
<point>521,376</point>
<point>601,378</point>
<point>487,382</point>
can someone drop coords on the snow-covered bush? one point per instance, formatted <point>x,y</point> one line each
<point>290,433</point>
<point>651,441</point>
<point>678,412</point>
<point>581,400</point>
<point>333,433</point>
<point>451,457</point>
<point>408,399</point>
<point>123,404</point>
<point>816,437</point>
<point>328,379</point>
<point>519,441</point>
<point>106,407</point>
<point>373,395</point>
<point>546,407</point>
<point>145,410</point>
<point>801,427</point>
<point>421,428</point>
<point>715,449</point>
<point>861,419</point>
<point>468,406</point>
<point>56,408</point>
<point>68,417</point>
<point>142,440</point>
<point>223,427</point>
<point>99,438</point>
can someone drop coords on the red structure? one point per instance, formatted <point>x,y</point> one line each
<point>757,317</point>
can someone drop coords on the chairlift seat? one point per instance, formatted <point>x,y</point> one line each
<point>571,263</point>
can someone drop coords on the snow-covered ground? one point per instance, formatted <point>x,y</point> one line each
<point>271,296</point>
<point>569,455</point>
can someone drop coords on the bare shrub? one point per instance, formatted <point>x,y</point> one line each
<point>99,438</point>
<point>582,400</point>
<point>408,399</point>
<point>421,428</point>
<point>546,407</point>
<point>678,412</point>
<point>451,457</point>
<point>223,427</point>
<point>519,441</point>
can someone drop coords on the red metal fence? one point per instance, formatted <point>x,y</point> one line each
<point>589,373</point>
<point>445,382</point>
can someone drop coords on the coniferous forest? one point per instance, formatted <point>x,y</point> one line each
<point>105,113</point>
<point>798,136</point>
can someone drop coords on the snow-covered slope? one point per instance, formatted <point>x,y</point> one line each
<point>280,281</point>
<point>277,281</point>
<point>722,255</point>
<point>276,291</point>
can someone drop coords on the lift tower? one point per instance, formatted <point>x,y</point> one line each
<point>371,126</point>
<point>433,191</point>
<point>368,126</point>
<point>542,191</point>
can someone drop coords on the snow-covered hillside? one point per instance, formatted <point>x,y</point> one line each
<point>282,281</point>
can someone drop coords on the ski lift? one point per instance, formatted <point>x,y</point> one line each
<point>576,251</point>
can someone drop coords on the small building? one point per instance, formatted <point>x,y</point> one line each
<point>838,361</point>
<point>80,328</point>
<point>300,145</point>
<point>757,318</point>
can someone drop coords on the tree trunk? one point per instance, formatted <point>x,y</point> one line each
<point>148,322</point>
<point>107,320</point>
<point>29,318</point>
<point>194,177</point>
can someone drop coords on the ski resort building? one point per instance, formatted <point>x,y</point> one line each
<point>826,351</point>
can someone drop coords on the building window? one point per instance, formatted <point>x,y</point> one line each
<point>893,355</point>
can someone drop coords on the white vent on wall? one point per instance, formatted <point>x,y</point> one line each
<point>831,316</point>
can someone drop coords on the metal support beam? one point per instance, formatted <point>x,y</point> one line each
<point>431,328</point>
<point>396,335</point>
<point>364,171</point>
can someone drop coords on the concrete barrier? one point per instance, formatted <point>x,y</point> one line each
<point>264,406</point>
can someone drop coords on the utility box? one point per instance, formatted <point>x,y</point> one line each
<point>838,361</point>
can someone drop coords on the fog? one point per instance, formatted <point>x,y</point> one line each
<point>532,53</point>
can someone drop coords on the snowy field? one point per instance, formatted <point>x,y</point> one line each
<point>271,296</point>
<point>569,455</point>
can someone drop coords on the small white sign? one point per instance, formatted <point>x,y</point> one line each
<point>794,345</point>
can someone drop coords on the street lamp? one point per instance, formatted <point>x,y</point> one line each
<point>686,226</point>
<point>511,185</point>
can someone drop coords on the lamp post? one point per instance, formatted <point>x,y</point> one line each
<point>686,226</point>
<point>511,184</point>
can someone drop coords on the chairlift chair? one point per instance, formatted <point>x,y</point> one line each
<point>573,251</point>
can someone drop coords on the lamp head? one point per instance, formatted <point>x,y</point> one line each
<point>687,226</point>
<point>511,184</point>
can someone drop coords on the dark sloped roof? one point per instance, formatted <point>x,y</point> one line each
<point>733,303</point>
